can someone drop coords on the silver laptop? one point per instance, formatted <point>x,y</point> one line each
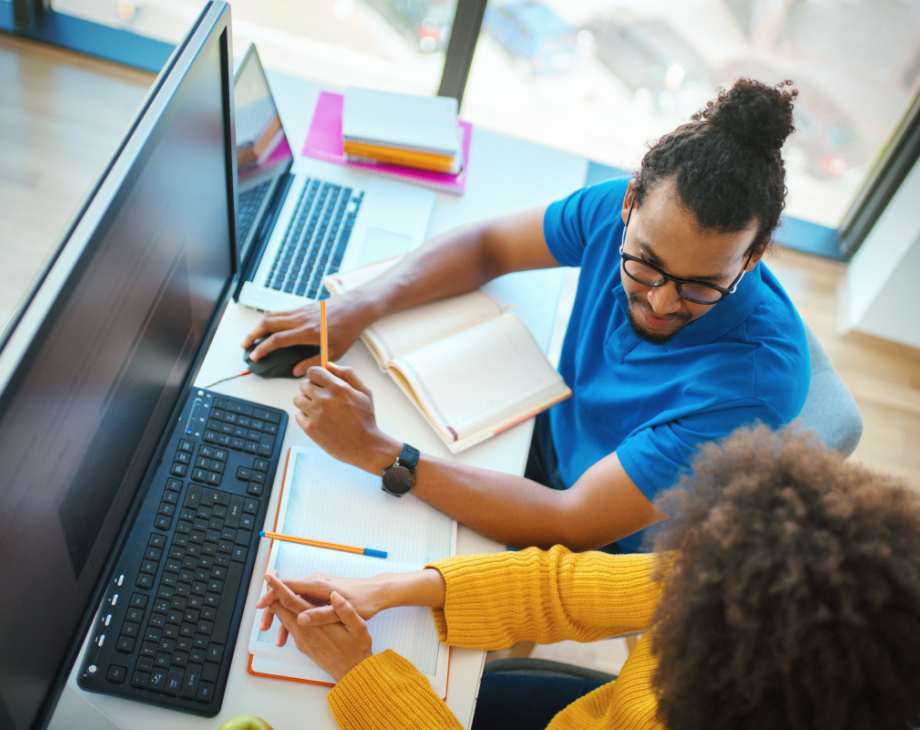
<point>300,219</point>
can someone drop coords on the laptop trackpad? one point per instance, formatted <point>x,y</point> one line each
<point>380,244</point>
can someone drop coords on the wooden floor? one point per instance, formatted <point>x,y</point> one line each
<point>61,115</point>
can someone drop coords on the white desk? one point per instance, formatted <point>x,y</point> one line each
<point>505,175</point>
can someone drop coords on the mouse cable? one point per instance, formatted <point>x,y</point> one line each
<point>232,377</point>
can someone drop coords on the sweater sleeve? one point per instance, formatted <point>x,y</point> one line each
<point>494,601</point>
<point>385,692</point>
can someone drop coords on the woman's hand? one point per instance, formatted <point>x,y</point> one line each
<point>347,319</point>
<point>337,648</point>
<point>366,595</point>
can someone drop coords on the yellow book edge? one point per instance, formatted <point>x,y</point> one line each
<point>406,158</point>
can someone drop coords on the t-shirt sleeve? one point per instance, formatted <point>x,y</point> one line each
<point>567,223</point>
<point>655,457</point>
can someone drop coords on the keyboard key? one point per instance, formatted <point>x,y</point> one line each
<point>165,593</point>
<point>212,600</point>
<point>174,679</point>
<point>171,631</point>
<point>187,630</point>
<point>169,579</point>
<point>180,659</point>
<point>144,580</point>
<point>157,682</point>
<point>218,466</point>
<point>197,656</point>
<point>161,606</point>
<point>221,454</point>
<point>199,588</point>
<point>201,643</point>
<point>171,497</point>
<point>190,682</point>
<point>139,680</point>
<point>224,439</point>
<point>125,644</point>
<point>148,650</point>
<point>163,522</point>
<point>167,646</point>
<point>116,674</point>
<point>179,603</point>
<point>214,478</point>
<point>178,469</point>
<point>228,535</point>
<point>192,616</point>
<point>205,561</point>
<point>135,615</point>
<point>180,540</point>
<point>149,566</point>
<point>199,475</point>
<point>258,477</point>
<point>209,548</point>
<point>225,546</point>
<point>157,621</point>
<point>251,506</point>
<point>211,437</point>
<point>237,443</point>
<point>157,540</point>
<point>225,611</point>
<point>255,489</point>
<point>184,643</point>
<point>130,629</point>
<point>248,522</point>
<point>174,566</point>
<point>210,671</point>
<point>175,616</point>
<point>183,458</point>
<point>221,403</point>
<point>205,691</point>
<point>153,635</point>
<point>167,509</point>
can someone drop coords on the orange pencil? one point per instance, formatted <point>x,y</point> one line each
<point>327,545</point>
<point>323,342</point>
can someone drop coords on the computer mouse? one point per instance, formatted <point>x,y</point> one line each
<point>279,363</point>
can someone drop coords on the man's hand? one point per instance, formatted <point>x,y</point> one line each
<point>301,327</point>
<point>337,413</point>
<point>337,648</point>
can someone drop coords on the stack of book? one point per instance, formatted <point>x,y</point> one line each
<point>258,133</point>
<point>391,134</point>
<point>401,129</point>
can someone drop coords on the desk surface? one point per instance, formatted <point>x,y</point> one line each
<point>505,175</point>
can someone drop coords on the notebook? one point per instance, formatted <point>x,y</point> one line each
<point>471,368</point>
<point>324,142</point>
<point>324,499</point>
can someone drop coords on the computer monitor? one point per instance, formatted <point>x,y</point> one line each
<point>104,350</point>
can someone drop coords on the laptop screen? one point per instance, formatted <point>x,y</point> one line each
<point>260,140</point>
<point>84,409</point>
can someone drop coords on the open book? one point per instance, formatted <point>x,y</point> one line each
<point>471,369</point>
<point>324,499</point>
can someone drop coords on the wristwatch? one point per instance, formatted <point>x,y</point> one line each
<point>399,477</point>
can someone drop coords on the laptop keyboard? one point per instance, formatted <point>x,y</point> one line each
<point>250,202</point>
<point>315,239</point>
<point>168,624</point>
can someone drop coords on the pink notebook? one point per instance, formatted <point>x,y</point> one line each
<point>324,142</point>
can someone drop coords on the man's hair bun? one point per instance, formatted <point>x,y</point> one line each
<point>754,112</point>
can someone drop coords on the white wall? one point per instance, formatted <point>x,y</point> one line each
<point>883,279</point>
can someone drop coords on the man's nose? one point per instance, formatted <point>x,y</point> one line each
<point>665,298</point>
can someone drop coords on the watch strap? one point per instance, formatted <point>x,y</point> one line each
<point>408,457</point>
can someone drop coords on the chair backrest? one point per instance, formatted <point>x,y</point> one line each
<point>829,408</point>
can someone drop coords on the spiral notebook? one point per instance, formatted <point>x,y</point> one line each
<point>324,499</point>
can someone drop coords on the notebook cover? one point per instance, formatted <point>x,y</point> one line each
<point>324,142</point>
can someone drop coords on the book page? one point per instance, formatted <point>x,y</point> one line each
<point>480,375</point>
<point>402,332</point>
<point>409,631</point>
<point>324,499</point>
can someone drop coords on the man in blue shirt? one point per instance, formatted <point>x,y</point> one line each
<point>678,334</point>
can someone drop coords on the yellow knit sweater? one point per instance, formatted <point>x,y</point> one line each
<point>493,601</point>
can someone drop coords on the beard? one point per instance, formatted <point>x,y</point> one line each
<point>653,338</point>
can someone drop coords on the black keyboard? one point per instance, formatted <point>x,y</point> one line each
<point>168,622</point>
<point>315,240</point>
<point>250,202</point>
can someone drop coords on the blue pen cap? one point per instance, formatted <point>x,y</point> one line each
<point>375,553</point>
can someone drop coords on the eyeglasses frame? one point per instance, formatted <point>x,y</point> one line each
<point>624,257</point>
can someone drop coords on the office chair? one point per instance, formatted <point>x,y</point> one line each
<point>829,408</point>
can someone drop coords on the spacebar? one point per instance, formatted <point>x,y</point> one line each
<point>227,603</point>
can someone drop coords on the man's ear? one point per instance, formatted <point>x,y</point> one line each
<point>628,200</point>
<point>755,259</point>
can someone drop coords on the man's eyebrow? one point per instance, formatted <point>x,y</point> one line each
<point>653,258</point>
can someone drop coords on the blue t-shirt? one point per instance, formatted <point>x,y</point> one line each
<point>746,360</point>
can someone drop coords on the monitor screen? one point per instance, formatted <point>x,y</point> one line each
<point>83,411</point>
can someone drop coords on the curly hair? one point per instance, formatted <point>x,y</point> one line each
<point>795,599</point>
<point>726,161</point>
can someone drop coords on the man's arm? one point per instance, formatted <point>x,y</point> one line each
<point>453,263</point>
<point>603,506</point>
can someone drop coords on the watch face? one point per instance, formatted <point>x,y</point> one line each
<point>398,480</point>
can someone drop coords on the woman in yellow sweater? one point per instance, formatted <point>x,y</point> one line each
<point>794,602</point>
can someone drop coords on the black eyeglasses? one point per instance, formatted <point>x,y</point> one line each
<point>697,292</point>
